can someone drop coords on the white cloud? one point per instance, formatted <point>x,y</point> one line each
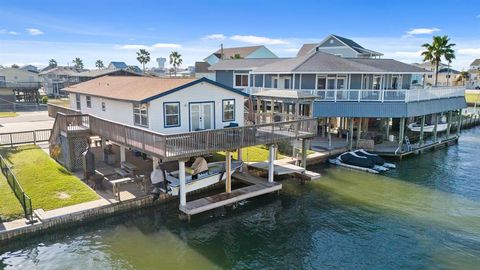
<point>259,40</point>
<point>166,46</point>
<point>153,47</point>
<point>6,32</point>
<point>132,47</point>
<point>422,31</point>
<point>474,52</point>
<point>214,37</point>
<point>34,31</point>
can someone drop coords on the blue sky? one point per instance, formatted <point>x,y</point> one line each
<point>36,31</point>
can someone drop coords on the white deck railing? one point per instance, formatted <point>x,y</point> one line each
<point>372,95</point>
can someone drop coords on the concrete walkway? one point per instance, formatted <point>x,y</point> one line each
<point>26,121</point>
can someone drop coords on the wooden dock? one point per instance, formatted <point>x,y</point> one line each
<point>284,168</point>
<point>258,187</point>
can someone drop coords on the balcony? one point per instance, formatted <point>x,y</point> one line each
<point>20,85</point>
<point>372,95</point>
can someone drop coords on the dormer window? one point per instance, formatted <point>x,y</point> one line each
<point>332,41</point>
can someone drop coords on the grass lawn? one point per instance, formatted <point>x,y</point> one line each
<point>8,114</point>
<point>65,102</point>
<point>249,154</point>
<point>10,207</point>
<point>472,98</point>
<point>46,182</point>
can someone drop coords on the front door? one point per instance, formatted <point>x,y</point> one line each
<point>201,116</point>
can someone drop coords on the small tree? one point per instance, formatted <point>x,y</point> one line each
<point>52,63</point>
<point>175,60</point>
<point>78,63</point>
<point>439,48</point>
<point>15,66</point>
<point>464,76</point>
<point>236,56</point>
<point>143,56</point>
<point>99,64</point>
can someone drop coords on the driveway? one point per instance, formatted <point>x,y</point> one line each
<point>26,121</point>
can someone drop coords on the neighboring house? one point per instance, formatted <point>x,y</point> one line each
<point>201,70</point>
<point>161,104</point>
<point>22,83</point>
<point>346,89</point>
<point>339,46</point>
<point>250,52</point>
<point>58,78</point>
<point>474,75</point>
<point>30,68</point>
<point>446,75</point>
<point>117,65</point>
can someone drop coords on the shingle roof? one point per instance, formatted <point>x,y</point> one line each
<point>323,62</point>
<point>357,47</point>
<point>102,72</point>
<point>389,65</point>
<point>202,67</point>
<point>306,48</point>
<point>243,64</point>
<point>242,51</point>
<point>60,70</point>
<point>448,70</point>
<point>136,88</point>
<point>475,62</point>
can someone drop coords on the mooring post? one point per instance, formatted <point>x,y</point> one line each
<point>122,153</point>
<point>449,124</point>
<point>422,124</point>
<point>228,168</point>
<point>304,153</point>
<point>271,160</point>
<point>435,128</point>
<point>459,122</point>
<point>240,157</point>
<point>181,178</point>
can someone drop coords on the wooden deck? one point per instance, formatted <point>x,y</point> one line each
<point>259,187</point>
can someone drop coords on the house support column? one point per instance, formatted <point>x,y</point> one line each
<point>421,129</point>
<point>228,168</point>
<point>122,153</point>
<point>181,178</point>
<point>103,144</point>
<point>401,133</point>
<point>449,124</point>
<point>240,157</point>
<point>271,162</point>
<point>155,162</point>
<point>350,134</point>
<point>435,128</point>
<point>388,127</point>
<point>329,135</point>
<point>359,130</point>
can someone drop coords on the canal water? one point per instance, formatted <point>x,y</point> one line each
<point>423,215</point>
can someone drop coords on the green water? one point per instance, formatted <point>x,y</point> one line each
<point>424,215</point>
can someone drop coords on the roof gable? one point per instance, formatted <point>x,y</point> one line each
<point>475,62</point>
<point>357,48</point>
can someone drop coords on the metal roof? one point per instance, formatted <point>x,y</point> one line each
<point>243,64</point>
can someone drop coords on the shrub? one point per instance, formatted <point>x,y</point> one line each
<point>44,99</point>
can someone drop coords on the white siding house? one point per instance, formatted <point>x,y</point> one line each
<point>162,105</point>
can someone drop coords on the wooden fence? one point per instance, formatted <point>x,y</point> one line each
<point>17,189</point>
<point>24,137</point>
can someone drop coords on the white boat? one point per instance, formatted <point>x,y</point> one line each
<point>216,173</point>
<point>376,158</point>
<point>427,128</point>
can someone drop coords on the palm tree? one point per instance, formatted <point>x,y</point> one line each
<point>175,60</point>
<point>99,64</point>
<point>439,48</point>
<point>143,56</point>
<point>78,63</point>
<point>464,76</point>
<point>52,63</point>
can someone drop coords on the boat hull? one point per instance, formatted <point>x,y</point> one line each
<point>428,128</point>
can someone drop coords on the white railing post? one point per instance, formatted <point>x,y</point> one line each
<point>335,95</point>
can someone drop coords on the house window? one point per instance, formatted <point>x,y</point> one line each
<point>89,101</point>
<point>171,112</point>
<point>228,110</point>
<point>448,76</point>
<point>321,83</point>
<point>77,101</point>
<point>376,82</point>
<point>103,106</point>
<point>241,80</point>
<point>430,76</point>
<point>140,115</point>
